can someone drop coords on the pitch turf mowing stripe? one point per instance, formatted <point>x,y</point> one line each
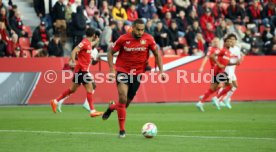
<point>110,134</point>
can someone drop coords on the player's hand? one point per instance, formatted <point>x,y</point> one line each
<point>112,74</point>
<point>221,66</point>
<point>163,76</point>
<point>72,63</point>
<point>200,70</point>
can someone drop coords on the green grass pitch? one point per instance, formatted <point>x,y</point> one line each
<point>248,127</point>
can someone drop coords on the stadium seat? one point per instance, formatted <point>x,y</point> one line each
<point>262,28</point>
<point>225,6</point>
<point>25,43</point>
<point>180,52</point>
<point>182,40</point>
<point>169,52</point>
<point>28,30</point>
<point>26,54</point>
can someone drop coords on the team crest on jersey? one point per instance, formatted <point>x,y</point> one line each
<point>143,42</point>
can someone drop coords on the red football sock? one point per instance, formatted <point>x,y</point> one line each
<point>224,91</point>
<point>113,106</point>
<point>90,101</point>
<point>121,112</point>
<point>64,94</point>
<point>207,94</point>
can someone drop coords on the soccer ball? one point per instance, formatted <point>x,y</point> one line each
<point>149,130</point>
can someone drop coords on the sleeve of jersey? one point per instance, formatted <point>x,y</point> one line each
<point>152,44</point>
<point>117,45</point>
<point>81,45</point>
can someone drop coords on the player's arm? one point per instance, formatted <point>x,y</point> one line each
<point>213,57</point>
<point>203,63</point>
<point>110,55</point>
<point>158,60</point>
<point>73,55</point>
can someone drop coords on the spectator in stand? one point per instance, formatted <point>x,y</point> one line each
<point>181,5</point>
<point>155,19</point>
<point>191,35</point>
<point>267,38</point>
<point>106,36</point>
<point>173,36</point>
<point>255,15</point>
<point>207,18</point>
<point>221,30</point>
<point>119,13</point>
<point>146,10</point>
<point>4,18</point>
<point>255,50</point>
<point>12,12</point>
<point>132,13</point>
<point>125,4</point>
<point>169,7</point>
<point>40,37</point>
<point>13,48</point>
<point>43,9</point>
<point>192,18</point>
<point>272,47</point>
<point>149,28</point>
<point>198,9</point>
<point>78,26</point>
<point>68,13</point>
<point>97,22</point>
<point>59,19</point>
<point>269,11</point>
<point>235,13</point>
<point>117,32</point>
<point>182,22</point>
<point>55,48</point>
<point>219,11</point>
<point>167,21</point>
<point>161,36</point>
<point>17,25</point>
<point>3,32</point>
<point>91,9</point>
<point>248,37</point>
<point>2,5</point>
<point>200,43</point>
<point>104,8</point>
<point>209,34</point>
<point>3,47</point>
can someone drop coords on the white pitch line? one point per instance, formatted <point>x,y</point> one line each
<point>111,134</point>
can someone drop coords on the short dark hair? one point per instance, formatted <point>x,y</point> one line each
<point>232,35</point>
<point>138,21</point>
<point>90,32</point>
<point>226,38</point>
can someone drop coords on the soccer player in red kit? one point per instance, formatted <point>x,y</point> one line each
<point>81,71</point>
<point>213,49</point>
<point>133,51</point>
<point>222,60</point>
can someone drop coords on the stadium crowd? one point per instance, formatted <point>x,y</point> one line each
<point>180,27</point>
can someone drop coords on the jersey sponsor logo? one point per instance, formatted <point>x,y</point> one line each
<point>226,57</point>
<point>134,49</point>
<point>143,42</point>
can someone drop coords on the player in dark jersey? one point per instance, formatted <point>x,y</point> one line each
<point>81,71</point>
<point>133,51</point>
<point>221,60</point>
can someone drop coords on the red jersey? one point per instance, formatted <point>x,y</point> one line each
<point>133,53</point>
<point>84,56</point>
<point>223,58</point>
<point>212,50</point>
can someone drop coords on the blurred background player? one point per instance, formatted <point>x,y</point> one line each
<point>212,49</point>
<point>81,71</point>
<point>230,70</point>
<point>133,51</point>
<point>221,61</point>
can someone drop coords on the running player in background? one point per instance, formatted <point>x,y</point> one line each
<point>221,61</point>
<point>81,71</point>
<point>211,50</point>
<point>133,51</point>
<point>231,87</point>
<point>95,57</point>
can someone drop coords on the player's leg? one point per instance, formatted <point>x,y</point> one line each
<point>227,99</point>
<point>89,89</point>
<point>55,102</point>
<point>204,97</point>
<point>133,87</point>
<point>86,104</point>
